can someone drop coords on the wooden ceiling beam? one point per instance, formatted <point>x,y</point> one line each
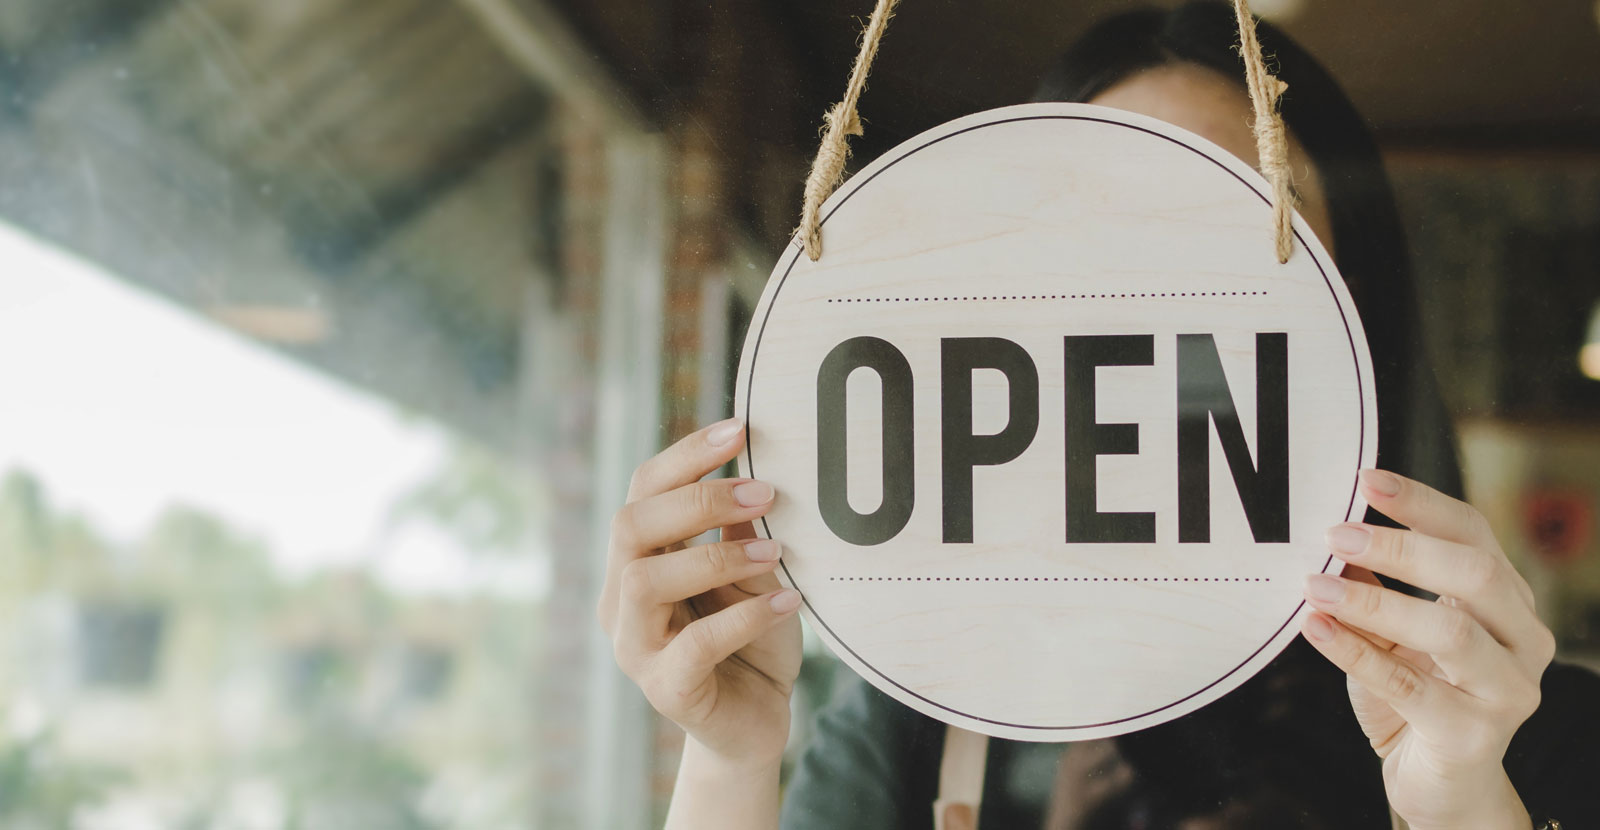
<point>540,42</point>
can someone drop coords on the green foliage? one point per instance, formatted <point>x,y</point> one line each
<point>198,556</point>
<point>475,498</point>
<point>41,546</point>
<point>338,751</point>
<point>25,517</point>
<point>38,790</point>
<point>343,775</point>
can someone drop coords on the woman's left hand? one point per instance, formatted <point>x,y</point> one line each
<point>1439,687</point>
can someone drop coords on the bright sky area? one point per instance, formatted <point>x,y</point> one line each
<point>124,404</point>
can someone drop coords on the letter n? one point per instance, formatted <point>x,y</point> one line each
<point>1203,399</point>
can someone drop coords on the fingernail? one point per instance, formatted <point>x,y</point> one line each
<point>762,550</point>
<point>1349,540</point>
<point>1380,482</point>
<point>722,433</point>
<point>1318,628</point>
<point>1324,588</point>
<point>753,493</point>
<point>784,601</point>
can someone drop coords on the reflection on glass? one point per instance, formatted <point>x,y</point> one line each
<point>202,636</point>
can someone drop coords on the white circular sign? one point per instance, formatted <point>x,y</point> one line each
<point>1056,438</point>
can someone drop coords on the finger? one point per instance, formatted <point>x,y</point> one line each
<point>687,512</point>
<point>641,527</point>
<point>733,592</point>
<point>1489,588</point>
<point>1358,574</point>
<point>706,642</point>
<point>1466,653</point>
<point>1424,701</point>
<point>760,584</point>
<point>651,586</point>
<point>1425,509</point>
<point>1417,658</point>
<point>692,458</point>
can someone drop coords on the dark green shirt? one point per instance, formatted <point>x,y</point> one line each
<point>873,764</point>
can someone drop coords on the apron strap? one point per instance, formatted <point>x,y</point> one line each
<point>966,755</point>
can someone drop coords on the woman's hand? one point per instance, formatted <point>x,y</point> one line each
<point>706,631</point>
<point>1439,687</point>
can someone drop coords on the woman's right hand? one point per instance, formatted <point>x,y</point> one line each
<point>706,631</point>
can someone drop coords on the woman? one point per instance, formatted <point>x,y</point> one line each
<point>1433,708</point>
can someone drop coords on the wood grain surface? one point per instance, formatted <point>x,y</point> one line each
<point>1037,224</point>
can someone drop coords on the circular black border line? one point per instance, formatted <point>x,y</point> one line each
<point>794,253</point>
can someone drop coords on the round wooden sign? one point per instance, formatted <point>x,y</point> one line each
<point>1055,437</point>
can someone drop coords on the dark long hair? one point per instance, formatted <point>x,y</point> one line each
<point>1368,242</point>
<point>1284,748</point>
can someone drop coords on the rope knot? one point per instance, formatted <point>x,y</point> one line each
<point>1272,138</point>
<point>827,170</point>
<point>844,119</point>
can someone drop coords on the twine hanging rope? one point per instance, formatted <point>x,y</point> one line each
<point>1272,139</point>
<point>827,171</point>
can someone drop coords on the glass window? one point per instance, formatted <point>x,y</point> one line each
<point>312,366</point>
<point>331,332</point>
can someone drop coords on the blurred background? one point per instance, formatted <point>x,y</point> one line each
<point>331,330</point>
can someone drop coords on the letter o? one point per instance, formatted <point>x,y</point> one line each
<point>899,463</point>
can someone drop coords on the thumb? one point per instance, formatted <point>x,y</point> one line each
<point>1379,721</point>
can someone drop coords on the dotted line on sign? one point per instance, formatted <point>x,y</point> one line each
<point>985,298</point>
<point>1049,579</point>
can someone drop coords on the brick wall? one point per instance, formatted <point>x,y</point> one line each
<point>739,140</point>
<point>563,325</point>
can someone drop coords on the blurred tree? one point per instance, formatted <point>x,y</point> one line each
<point>217,632</point>
<point>25,521</point>
<point>40,546</point>
<point>481,501</point>
<point>39,791</point>
<point>343,774</point>
<point>202,558</point>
